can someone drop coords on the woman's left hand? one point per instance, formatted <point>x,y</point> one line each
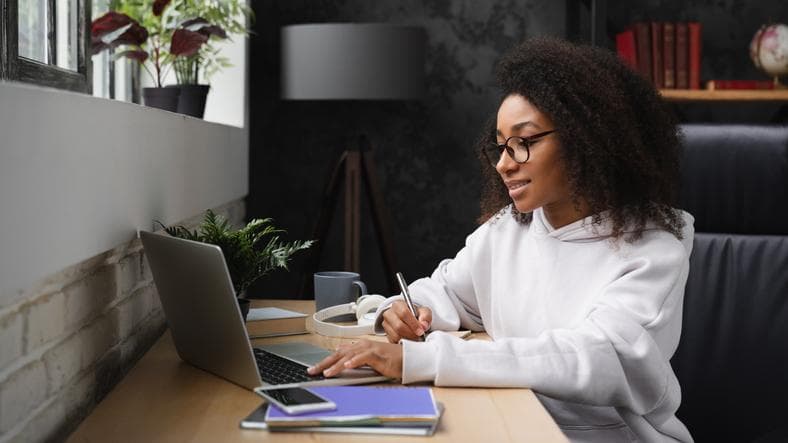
<point>385,358</point>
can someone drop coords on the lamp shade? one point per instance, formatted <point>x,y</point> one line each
<point>350,61</point>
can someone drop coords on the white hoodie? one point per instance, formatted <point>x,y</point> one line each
<point>588,323</point>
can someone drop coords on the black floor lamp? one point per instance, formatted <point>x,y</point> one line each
<point>347,61</point>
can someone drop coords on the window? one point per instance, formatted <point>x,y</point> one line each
<point>115,79</point>
<point>45,42</point>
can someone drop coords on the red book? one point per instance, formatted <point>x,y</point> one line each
<point>669,54</point>
<point>682,59</point>
<point>695,44</point>
<point>739,84</point>
<point>657,71</point>
<point>643,41</point>
<point>625,47</point>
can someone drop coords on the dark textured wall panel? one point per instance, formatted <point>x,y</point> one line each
<point>423,150</point>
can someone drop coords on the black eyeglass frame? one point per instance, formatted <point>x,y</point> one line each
<point>527,142</point>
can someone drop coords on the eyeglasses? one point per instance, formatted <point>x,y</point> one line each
<point>518,148</point>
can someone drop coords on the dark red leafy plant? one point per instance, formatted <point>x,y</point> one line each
<point>115,29</point>
<point>158,7</point>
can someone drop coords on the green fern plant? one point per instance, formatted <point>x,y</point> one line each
<point>250,252</point>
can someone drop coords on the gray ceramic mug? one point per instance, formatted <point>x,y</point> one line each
<point>336,287</point>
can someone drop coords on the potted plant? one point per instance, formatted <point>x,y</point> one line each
<point>153,35</point>
<point>250,252</point>
<point>198,59</point>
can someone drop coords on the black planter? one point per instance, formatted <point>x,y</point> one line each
<point>192,99</point>
<point>244,303</point>
<point>162,98</point>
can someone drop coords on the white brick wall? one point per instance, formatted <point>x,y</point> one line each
<point>89,297</point>
<point>129,274</point>
<point>45,422</point>
<point>64,346</point>
<point>21,393</point>
<point>63,362</point>
<point>11,326</point>
<point>45,320</point>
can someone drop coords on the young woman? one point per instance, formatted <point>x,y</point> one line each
<point>579,279</point>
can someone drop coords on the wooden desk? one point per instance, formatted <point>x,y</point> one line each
<point>165,399</point>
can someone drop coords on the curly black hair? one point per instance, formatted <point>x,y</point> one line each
<point>619,142</point>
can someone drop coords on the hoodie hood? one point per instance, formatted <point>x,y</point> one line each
<point>585,230</point>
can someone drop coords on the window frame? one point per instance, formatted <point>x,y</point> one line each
<point>14,67</point>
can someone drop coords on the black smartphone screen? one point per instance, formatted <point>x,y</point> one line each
<point>294,396</point>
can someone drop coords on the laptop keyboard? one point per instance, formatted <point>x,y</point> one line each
<point>278,370</point>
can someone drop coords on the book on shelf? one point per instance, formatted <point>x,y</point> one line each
<point>694,55</point>
<point>643,42</point>
<point>715,85</point>
<point>682,56</point>
<point>373,409</point>
<point>657,69</point>
<point>272,322</point>
<point>626,49</point>
<point>669,54</point>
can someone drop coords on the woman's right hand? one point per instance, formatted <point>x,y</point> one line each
<point>399,323</point>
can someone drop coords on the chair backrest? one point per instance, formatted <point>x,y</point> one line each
<point>732,361</point>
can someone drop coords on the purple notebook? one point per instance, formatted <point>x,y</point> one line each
<point>368,402</point>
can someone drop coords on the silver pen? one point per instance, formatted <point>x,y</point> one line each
<point>404,287</point>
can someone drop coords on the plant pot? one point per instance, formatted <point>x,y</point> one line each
<point>162,98</point>
<point>192,99</point>
<point>244,303</point>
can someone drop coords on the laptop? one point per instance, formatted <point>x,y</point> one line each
<point>199,302</point>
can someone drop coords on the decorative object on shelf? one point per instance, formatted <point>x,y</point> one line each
<point>348,62</point>
<point>140,27</point>
<point>197,57</point>
<point>769,50</point>
<point>115,29</point>
<point>186,43</point>
<point>250,252</point>
<point>160,37</point>
<point>715,85</point>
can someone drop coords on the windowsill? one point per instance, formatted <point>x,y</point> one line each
<point>101,101</point>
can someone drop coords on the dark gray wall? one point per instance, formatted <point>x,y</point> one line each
<point>423,150</point>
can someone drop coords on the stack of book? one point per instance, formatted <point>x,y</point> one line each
<point>272,322</point>
<point>365,409</point>
<point>666,53</point>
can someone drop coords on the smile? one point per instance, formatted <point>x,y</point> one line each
<point>516,187</point>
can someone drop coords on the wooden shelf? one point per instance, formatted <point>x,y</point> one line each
<point>730,95</point>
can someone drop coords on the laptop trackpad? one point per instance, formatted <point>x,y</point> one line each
<point>301,352</point>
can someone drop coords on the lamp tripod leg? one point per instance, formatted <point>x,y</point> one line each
<point>353,211</point>
<point>380,219</point>
<point>320,233</point>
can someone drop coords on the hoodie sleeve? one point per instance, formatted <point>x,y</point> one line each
<point>617,356</point>
<point>448,292</point>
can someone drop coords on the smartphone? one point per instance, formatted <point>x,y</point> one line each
<point>256,420</point>
<point>296,400</point>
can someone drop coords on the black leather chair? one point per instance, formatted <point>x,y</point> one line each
<point>732,361</point>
